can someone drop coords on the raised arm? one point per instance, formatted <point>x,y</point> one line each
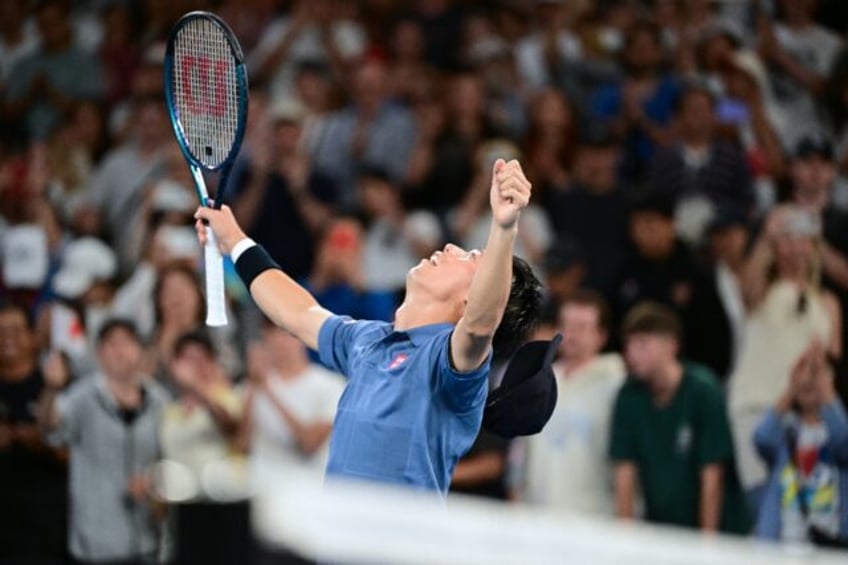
<point>487,298</point>
<point>285,302</point>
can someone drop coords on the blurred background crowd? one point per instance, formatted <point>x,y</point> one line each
<point>689,161</point>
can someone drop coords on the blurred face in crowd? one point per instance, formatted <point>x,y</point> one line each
<point>697,117</point>
<point>807,390</point>
<point>54,26</point>
<point>17,341</point>
<point>201,361</point>
<point>652,233</point>
<point>119,354</point>
<point>313,88</point>
<point>179,300</point>
<point>151,125</point>
<point>794,253</point>
<point>812,179</point>
<point>728,245</point>
<point>282,347</point>
<point>377,197</point>
<point>408,41</point>
<point>716,50</point>
<point>642,52</point>
<point>370,85</point>
<point>287,135</point>
<point>595,167</point>
<point>466,98</point>
<point>12,14</point>
<point>445,277</point>
<point>563,283</point>
<point>583,337</point>
<point>647,354</point>
<point>550,112</point>
<point>801,10</point>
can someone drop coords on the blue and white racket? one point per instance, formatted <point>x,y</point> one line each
<point>206,93</point>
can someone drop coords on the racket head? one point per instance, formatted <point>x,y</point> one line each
<point>206,90</point>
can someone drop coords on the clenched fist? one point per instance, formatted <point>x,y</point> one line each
<point>509,194</point>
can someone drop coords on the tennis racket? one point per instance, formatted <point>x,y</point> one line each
<point>206,93</point>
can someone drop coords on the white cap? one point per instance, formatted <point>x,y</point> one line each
<point>86,261</point>
<point>171,196</point>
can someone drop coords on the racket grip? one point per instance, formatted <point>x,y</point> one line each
<point>216,309</point>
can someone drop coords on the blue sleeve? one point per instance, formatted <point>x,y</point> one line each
<point>338,339</point>
<point>462,391</point>
<point>607,102</point>
<point>769,436</point>
<point>836,421</point>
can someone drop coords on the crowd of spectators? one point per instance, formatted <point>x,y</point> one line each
<point>689,161</point>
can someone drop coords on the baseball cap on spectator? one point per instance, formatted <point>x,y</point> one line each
<point>171,196</point>
<point>86,261</point>
<point>655,201</point>
<point>798,222</point>
<point>488,49</point>
<point>287,110</point>
<point>814,146</point>
<point>597,135</point>
<point>724,218</point>
<point>178,242</point>
<point>314,66</point>
<point>562,255</point>
<point>527,395</point>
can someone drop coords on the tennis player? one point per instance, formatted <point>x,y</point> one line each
<point>416,388</point>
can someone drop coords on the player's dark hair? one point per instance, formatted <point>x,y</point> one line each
<point>200,338</point>
<point>7,305</point>
<point>523,310</point>
<point>652,318</point>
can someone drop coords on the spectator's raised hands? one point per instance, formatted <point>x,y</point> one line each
<point>55,371</point>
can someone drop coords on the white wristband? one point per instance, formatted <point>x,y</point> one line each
<point>240,247</point>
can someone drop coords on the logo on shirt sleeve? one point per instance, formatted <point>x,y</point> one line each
<point>399,359</point>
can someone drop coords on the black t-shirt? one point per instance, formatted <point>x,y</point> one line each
<point>599,224</point>
<point>669,281</point>
<point>280,227</point>
<point>486,443</point>
<point>33,483</point>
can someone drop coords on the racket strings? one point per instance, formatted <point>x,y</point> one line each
<point>206,89</point>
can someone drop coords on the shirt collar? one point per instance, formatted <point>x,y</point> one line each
<point>421,334</point>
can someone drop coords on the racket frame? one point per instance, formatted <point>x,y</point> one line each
<point>215,297</point>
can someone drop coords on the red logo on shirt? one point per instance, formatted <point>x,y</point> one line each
<point>398,360</point>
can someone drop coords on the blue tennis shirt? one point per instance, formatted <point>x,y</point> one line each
<point>406,416</point>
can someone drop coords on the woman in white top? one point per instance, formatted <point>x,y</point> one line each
<point>787,310</point>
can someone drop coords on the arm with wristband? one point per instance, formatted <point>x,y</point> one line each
<point>283,300</point>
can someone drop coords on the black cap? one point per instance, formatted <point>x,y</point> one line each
<point>726,218</point>
<point>814,146</point>
<point>525,399</point>
<point>597,134</point>
<point>563,254</point>
<point>658,201</point>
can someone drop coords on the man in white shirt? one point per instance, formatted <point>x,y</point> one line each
<point>565,466</point>
<point>291,405</point>
<point>800,54</point>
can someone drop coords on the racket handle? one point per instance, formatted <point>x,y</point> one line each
<point>216,310</point>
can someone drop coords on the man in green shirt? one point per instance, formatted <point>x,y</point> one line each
<point>670,433</point>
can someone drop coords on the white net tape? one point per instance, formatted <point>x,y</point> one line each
<point>358,523</point>
<point>205,89</point>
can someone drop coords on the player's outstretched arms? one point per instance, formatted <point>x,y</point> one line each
<point>489,293</point>
<point>285,302</point>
